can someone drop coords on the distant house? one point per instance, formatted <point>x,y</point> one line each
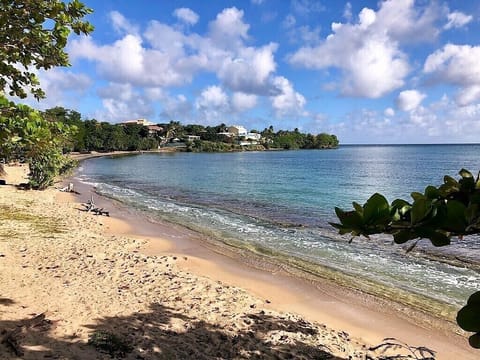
<point>143,122</point>
<point>154,129</point>
<point>191,137</point>
<point>244,137</point>
<point>237,130</point>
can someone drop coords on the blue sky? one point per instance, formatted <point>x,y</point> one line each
<point>398,71</point>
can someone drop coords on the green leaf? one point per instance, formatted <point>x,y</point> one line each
<point>468,318</point>
<point>439,239</point>
<point>376,209</point>
<point>456,216</point>
<point>419,210</point>
<point>431,192</point>
<point>417,196</point>
<point>403,236</point>
<point>474,341</point>
<point>474,299</point>
<point>358,208</point>
<point>465,174</point>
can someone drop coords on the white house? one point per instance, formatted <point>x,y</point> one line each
<point>143,122</point>
<point>237,130</point>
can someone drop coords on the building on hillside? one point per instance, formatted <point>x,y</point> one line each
<point>237,130</point>
<point>143,122</point>
<point>191,137</point>
<point>244,137</point>
<point>154,129</point>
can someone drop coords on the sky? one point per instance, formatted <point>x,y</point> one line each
<point>371,72</point>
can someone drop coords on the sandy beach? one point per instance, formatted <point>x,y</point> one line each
<point>153,292</point>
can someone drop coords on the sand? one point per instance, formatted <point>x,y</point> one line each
<point>96,277</point>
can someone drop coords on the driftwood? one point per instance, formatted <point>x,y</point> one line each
<point>91,207</point>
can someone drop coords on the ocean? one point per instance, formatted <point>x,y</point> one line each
<point>280,202</point>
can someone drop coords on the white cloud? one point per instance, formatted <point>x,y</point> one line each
<point>409,21</point>
<point>372,62</point>
<point>347,11</point>
<point>457,65</point>
<point>368,52</point>
<point>287,102</point>
<point>389,112</point>
<point>177,107</point>
<point>122,102</point>
<point>440,121</point>
<point>457,19</point>
<point>229,30</point>
<point>250,71</point>
<point>186,15</point>
<point>212,104</point>
<point>121,24</point>
<point>409,100</point>
<point>61,87</point>
<point>307,7</point>
<point>289,21</point>
<point>164,56</point>
<point>212,97</point>
<point>242,102</point>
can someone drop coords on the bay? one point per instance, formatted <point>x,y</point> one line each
<point>282,201</point>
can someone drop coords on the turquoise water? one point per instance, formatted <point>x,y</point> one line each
<point>283,201</point>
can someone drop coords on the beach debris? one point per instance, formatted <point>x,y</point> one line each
<point>91,207</point>
<point>413,352</point>
<point>69,188</point>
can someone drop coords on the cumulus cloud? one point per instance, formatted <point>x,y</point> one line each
<point>371,61</point>
<point>228,29</point>
<point>457,65</point>
<point>122,102</point>
<point>212,104</point>
<point>250,71</point>
<point>368,52</point>
<point>242,102</point>
<point>287,102</point>
<point>389,112</point>
<point>457,19</point>
<point>121,24</point>
<point>164,56</point>
<point>60,87</point>
<point>186,15</point>
<point>213,97</point>
<point>409,100</point>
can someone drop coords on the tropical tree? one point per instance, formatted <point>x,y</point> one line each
<point>33,36</point>
<point>438,214</point>
<point>25,134</point>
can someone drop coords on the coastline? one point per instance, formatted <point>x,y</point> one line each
<point>364,318</point>
<point>361,312</point>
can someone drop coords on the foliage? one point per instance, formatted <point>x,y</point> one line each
<point>25,134</point>
<point>452,209</point>
<point>34,35</point>
<point>292,140</point>
<point>110,343</point>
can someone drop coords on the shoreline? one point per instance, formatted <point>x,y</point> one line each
<point>362,315</point>
<point>158,286</point>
